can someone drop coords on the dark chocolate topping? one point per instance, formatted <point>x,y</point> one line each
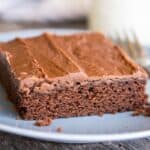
<point>57,56</point>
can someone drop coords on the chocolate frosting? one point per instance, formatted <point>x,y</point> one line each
<point>19,58</point>
<point>52,56</point>
<point>95,54</point>
<point>49,57</point>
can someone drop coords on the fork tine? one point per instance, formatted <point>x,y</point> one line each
<point>131,46</point>
<point>111,38</point>
<point>125,43</point>
<point>122,43</point>
<point>138,45</point>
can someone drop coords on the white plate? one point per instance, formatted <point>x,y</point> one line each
<point>121,126</point>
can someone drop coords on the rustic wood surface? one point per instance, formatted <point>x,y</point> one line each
<point>14,142</point>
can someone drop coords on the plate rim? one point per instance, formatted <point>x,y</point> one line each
<point>64,137</point>
<point>73,138</point>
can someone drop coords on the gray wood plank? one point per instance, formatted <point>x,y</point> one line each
<point>14,142</point>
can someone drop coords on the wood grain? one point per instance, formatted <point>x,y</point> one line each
<point>14,142</point>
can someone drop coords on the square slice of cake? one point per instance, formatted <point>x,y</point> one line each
<point>72,75</point>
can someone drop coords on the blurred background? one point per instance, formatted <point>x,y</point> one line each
<point>108,16</point>
<point>124,21</point>
<point>18,14</point>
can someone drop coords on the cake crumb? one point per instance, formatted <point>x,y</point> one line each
<point>59,129</point>
<point>43,122</point>
<point>145,111</point>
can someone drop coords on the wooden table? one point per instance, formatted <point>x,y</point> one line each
<point>14,142</point>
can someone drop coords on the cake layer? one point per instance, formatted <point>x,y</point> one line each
<point>83,98</point>
<point>75,75</point>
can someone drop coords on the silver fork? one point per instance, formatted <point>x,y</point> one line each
<point>130,43</point>
<point>134,49</point>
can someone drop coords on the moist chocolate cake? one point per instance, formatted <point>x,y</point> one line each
<point>72,75</point>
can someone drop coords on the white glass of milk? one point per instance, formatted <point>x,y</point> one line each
<point>111,16</point>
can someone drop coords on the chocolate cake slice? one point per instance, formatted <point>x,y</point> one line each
<point>73,75</point>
